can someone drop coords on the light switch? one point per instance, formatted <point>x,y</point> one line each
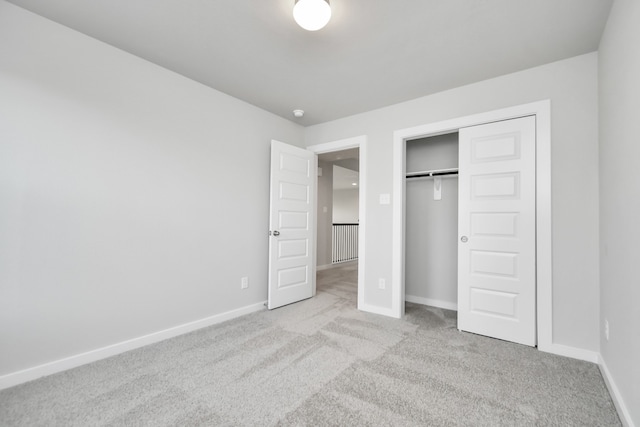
<point>385,199</point>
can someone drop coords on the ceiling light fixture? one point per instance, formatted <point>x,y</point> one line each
<point>312,14</point>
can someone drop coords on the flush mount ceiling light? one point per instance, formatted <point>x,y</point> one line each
<point>312,14</point>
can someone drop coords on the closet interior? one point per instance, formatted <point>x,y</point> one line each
<point>431,233</point>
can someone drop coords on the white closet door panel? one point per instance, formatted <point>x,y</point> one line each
<point>496,226</point>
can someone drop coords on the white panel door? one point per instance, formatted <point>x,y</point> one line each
<point>496,228</point>
<point>291,225</point>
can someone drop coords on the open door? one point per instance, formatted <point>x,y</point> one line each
<point>497,230</point>
<point>292,225</point>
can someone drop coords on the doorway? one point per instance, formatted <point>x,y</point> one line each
<point>349,150</point>
<point>338,208</point>
<point>431,221</point>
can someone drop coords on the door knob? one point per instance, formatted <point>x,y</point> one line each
<point>276,233</point>
<point>464,239</point>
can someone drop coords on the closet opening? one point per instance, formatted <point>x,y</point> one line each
<point>505,287</point>
<point>475,235</point>
<point>431,242</point>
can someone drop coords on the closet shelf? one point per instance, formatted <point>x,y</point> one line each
<point>432,173</point>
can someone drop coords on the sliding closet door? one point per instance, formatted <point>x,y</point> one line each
<point>496,230</point>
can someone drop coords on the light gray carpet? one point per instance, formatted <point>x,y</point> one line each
<point>321,362</point>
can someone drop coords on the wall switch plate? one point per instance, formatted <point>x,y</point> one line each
<point>606,329</point>
<point>385,199</point>
<point>382,283</point>
<point>244,283</point>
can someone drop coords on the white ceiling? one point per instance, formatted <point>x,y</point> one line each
<point>372,54</point>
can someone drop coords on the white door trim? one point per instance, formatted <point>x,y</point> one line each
<point>544,296</point>
<point>344,144</point>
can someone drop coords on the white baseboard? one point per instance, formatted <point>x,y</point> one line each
<point>376,310</point>
<point>29,374</point>
<point>432,302</point>
<point>572,352</point>
<point>324,267</point>
<point>621,407</point>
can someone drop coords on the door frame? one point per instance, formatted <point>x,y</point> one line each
<point>544,285</point>
<point>359,142</point>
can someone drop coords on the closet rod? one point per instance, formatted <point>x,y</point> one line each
<point>435,172</point>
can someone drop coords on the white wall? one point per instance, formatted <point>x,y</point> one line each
<point>131,199</point>
<point>345,206</point>
<point>572,87</point>
<point>325,212</point>
<point>620,200</point>
<point>431,237</point>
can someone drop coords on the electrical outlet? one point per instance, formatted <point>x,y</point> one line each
<point>381,283</point>
<point>606,329</point>
<point>244,283</point>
